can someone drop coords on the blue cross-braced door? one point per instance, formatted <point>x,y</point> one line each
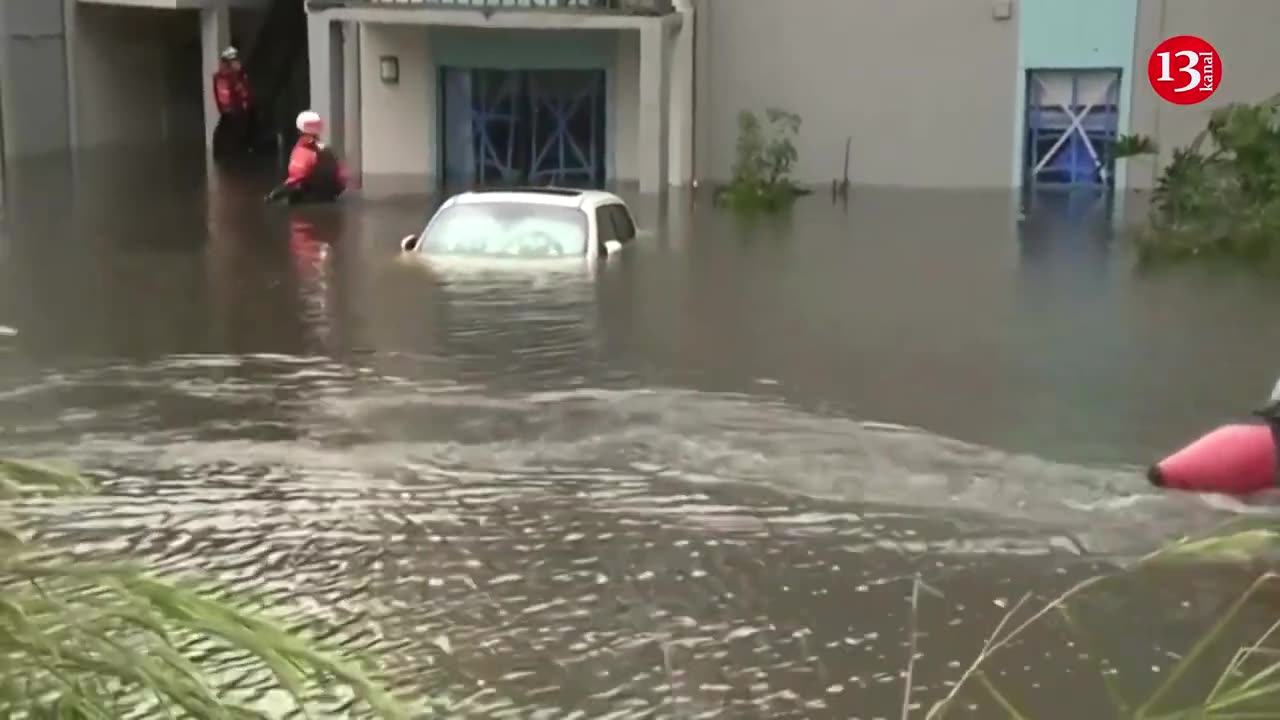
<point>564,127</point>
<point>1072,122</point>
<point>479,117</point>
<point>523,126</point>
<point>495,117</point>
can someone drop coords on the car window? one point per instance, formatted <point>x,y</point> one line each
<point>626,229</point>
<point>507,229</point>
<point>604,224</point>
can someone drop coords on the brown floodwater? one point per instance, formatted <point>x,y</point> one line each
<point>697,481</point>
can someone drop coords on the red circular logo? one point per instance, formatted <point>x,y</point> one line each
<point>1185,70</point>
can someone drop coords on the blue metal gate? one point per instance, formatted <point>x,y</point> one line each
<point>1072,122</point>
<point>564,127</point>
<point>523,126</point>
<point>494,116</point>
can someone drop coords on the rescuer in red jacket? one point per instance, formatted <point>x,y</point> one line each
<point>315,173</point>
<point>235,105</point>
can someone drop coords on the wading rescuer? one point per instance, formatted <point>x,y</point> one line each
<point>235,106</point>
<point>1239,458</point>
<point>315,173</point>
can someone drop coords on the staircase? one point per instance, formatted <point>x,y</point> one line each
<point>277,67</point>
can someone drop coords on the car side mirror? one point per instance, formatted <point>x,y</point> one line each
<point>409,243</point>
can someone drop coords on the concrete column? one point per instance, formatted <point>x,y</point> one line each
<point>70,16</point>
<point>351,96</point>
<point>215,35</point>
<point>325,60</point>
<point>34,90</point>
<point>682,101</point>
<point>652,131</point>
<point>336,116</point>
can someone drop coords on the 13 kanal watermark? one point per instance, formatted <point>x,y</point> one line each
<point>1185,70</point>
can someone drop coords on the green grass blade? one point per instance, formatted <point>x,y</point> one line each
<point>1108,683</point>
<point>1201,646</point>
<point>1009,708</point>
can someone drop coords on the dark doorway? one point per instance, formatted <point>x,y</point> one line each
<point>517,127</point>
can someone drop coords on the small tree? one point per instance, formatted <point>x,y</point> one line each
<point>765,154</point>
<point>780,150</point>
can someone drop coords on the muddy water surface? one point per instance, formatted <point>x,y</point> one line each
<point>697,482</point>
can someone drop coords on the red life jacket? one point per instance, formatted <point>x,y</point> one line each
<point>242,88</point>
<point>312,166</point>
<point>231,89</point>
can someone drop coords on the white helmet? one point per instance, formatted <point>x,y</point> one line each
<point>1272,409</point>
<point>230,53</point>
<point>309,122</point>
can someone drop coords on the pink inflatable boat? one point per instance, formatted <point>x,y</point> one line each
<point>1237,459</point>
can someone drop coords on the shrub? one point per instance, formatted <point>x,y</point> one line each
<point>1220,195</point>
<point>765,154</point>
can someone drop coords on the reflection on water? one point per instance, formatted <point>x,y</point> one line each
<point>695,481</point>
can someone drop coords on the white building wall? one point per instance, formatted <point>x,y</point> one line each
<point>626,110</point>
<point>681,97</point>
<point>1243,31</point>
<point>398,122</point>
<point>925,88</point>
<point>35,49</point>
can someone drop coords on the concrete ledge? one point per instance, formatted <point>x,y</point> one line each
<point>507,18</point>
<point>633,8</point>
<point>182,4</point>
<point>385,186</point>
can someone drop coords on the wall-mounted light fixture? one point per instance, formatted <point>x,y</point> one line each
<point>389,69</point>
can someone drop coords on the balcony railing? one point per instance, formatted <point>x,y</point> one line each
<point>619,7</point>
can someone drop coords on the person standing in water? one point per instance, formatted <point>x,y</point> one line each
<point>235,106</point>
<point>1270,411</point>
<point>1239,458</point>
<point>315,174</point>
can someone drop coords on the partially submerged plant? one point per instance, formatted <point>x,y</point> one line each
<point>765,153</point>
<point>103,641</point>
<point>1219,195</point>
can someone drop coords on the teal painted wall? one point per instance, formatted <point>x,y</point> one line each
<point>1074,34</point>
<point>533,49</point>
<point>527,49</point>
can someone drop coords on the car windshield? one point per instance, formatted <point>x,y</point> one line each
<point>505,229</point>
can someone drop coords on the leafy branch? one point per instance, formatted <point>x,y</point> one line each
<point>1220,194</point>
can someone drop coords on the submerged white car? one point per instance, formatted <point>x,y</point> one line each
<point>526,224</point>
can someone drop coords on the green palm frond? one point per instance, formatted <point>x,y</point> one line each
<point>82,640</point>
<point>1220,194</point>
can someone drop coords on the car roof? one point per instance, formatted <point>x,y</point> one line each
<point>555,196</point>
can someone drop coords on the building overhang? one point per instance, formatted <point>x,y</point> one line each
<point>423,13</point>
<point>182,4</point>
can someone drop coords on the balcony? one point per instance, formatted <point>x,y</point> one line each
<point>610,7</point>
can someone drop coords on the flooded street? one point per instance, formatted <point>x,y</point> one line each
<point>696,482</point>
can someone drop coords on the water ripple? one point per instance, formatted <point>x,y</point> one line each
<point>577,553</point>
